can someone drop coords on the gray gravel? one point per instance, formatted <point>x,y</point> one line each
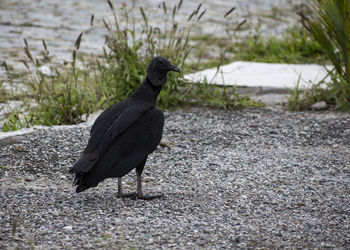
<point>248,178</point>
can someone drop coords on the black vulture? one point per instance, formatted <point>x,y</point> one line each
<point>125,134</point>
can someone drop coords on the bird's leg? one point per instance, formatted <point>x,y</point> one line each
<point>139,184</point>
<point>139,193</point>
<point>120,190</point>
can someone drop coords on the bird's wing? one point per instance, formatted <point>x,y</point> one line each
<point>122,123</point>
<point>109,124</point>
<point>101,125</point>
<point>100,141</point>
<point>128,149</point>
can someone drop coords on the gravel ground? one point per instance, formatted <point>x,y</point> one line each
<point>248,178</point>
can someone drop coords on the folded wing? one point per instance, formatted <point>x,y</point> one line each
<point>104,131</point>
<point>128,140</point>
<point>129,149</point>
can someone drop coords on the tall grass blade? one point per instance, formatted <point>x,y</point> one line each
<point>174,13</point>
<point>25,42</point>
<point>78,41</point>
<point>92,20</point>
<point>110,5</point>
<point>198,8</point>
<point>241,24</point>
<point>29,54</point>
<point>144,16</point>
<point>179,4</point>
<point>164,7</point>
<point>230,11</point>
<point>44,44</point>
<point>190,16</point>
<point>106,25</point>
<point>200,16</point>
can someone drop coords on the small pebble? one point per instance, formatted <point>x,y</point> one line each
<point>319,106</point>
<point>29,178</point>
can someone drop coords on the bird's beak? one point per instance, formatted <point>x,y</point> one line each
<point>176,69</point>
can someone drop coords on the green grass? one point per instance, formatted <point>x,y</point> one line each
<point>303,99</point>
<point>329,26</point>
<point>295,46</point>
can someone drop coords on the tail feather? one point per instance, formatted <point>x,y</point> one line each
<point>78,179</point>
<point>82,166</point>
<point>79,182</point>
<point>81,187</point>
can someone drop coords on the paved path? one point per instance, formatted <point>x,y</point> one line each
<point>265,75</point>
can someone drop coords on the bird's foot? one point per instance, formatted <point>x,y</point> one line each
<point>149,197</point>
<point>134,195</point>
<point>127,195</point>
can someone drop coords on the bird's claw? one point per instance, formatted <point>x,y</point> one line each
<point>135,196</point>
<point>149,197</point>
<point>127,195</point>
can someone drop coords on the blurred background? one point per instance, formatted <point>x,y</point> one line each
<point>59,22</point>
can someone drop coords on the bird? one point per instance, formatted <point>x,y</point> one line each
<point>124,134</point>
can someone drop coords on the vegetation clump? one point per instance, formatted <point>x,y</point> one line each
<point>330,27</point>
<point>67,93</point>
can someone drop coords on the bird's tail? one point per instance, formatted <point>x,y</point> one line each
<point>80,168</point>
<point>79,181</point>
<point>82,187</point>
<point>83,165</point>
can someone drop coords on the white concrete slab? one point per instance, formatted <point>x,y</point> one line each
<point>90,120</point>
<point>23,131</point>
<point>256,74</point>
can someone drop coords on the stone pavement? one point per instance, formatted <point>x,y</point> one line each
<point>266,82</point>
<point>268,75</point>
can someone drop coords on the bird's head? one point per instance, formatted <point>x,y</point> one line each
<point>157,70</point>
